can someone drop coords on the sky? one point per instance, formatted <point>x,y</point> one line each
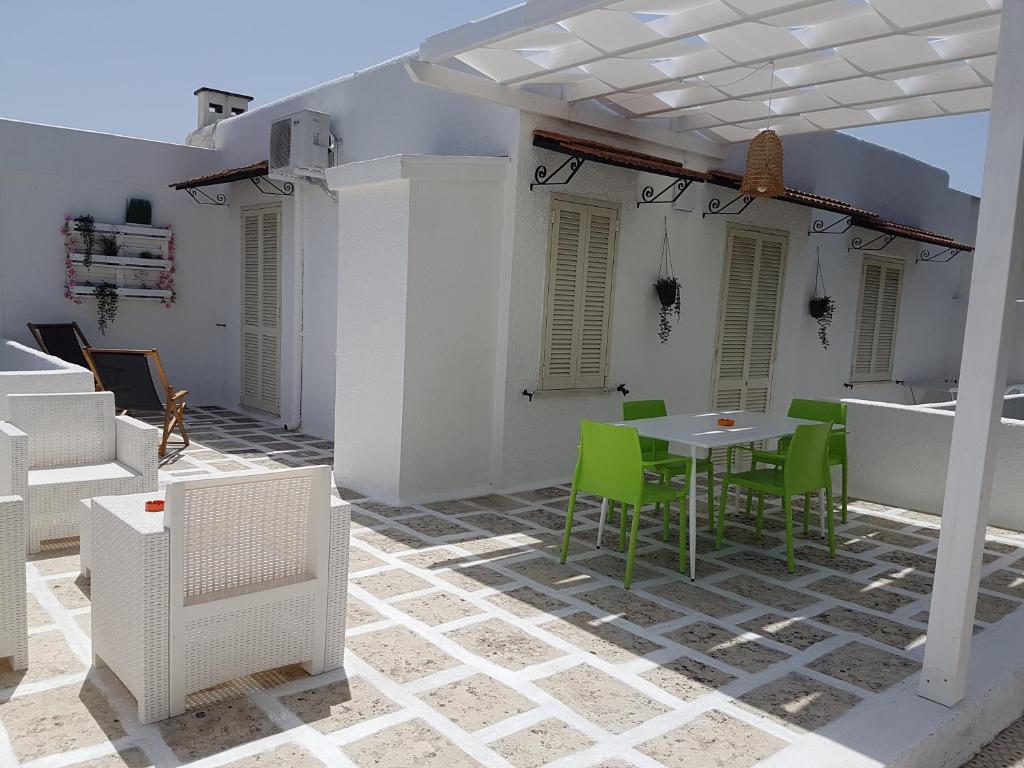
<point>130,67</point>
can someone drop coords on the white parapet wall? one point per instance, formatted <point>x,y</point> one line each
<point>26,371</point>
<point>899,456</point>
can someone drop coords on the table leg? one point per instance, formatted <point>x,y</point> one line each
<point>600,523</point>
<point>693,512</point>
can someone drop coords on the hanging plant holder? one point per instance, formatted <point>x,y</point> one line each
<point>668,288</point>
<point>821,306</point>
<point>668,291</point>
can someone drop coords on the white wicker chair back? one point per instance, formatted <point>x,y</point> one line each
<point>240,534</point>
<point>66,429</point>
<point>249,558</point>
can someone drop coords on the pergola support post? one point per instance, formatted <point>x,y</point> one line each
<point>995,282</point>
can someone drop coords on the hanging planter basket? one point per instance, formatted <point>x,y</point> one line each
<point>821,306</point>
<point>668,291</point>
<point>668,288</point>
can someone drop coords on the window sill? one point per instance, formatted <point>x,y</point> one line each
<point>543,393</point>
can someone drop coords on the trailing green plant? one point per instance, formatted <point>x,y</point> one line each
<point>106,305</point>
<point>85,225</point>
<point>147,255</point>
<point>668,288</point>
<point>109,245</point>
<point>821,305</point>
<point>821,309</point>
<point>670,298</point>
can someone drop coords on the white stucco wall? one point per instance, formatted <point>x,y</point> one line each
<point>27,371</point>
<point>47,173</point>
<point>417,290</point>
<point>375,113</point>
<point>899,457</point>
<point>537,439</point>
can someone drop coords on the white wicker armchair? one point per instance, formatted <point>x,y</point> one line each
<point>58,449</point>
<point>241,573</point>
<point>13,620</point>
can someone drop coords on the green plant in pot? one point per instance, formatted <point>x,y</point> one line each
<point>821,309</point>
<point>670,299</point>
<point>668,288</point>
<point>109,245</point>
<point>821,306</point>
<point>139,211</point>
<point>106,305</point>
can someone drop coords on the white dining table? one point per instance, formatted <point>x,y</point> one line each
<point>700,432</point>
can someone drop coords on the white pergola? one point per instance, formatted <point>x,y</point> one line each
<point>693,73</point>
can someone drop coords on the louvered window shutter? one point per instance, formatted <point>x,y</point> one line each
<point>579,295</point>
<point>748,322</point>
<point>878,311</point>
<point>764,322</point>
<point>261,309</point>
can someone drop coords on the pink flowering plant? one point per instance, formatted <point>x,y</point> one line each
<point>70,281</point>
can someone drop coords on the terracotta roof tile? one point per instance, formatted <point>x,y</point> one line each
<point>223,177</point>
<point>617,156</point>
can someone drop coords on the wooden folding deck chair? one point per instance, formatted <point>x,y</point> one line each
<point>63,340</point>
<point>126,373</point>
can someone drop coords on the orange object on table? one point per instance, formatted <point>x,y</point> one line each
<point>727,422</point>
<point>156,505</point>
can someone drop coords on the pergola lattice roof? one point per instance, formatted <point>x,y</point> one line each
<point>711,64</point>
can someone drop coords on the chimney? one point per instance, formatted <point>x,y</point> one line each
<point>215,105</point>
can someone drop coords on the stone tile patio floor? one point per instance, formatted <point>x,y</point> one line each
<point>469,644</point>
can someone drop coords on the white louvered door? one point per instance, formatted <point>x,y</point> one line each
<point>579,295</point>
<point>748,325</point>
<point>878,311</point>
<point>261,308</point>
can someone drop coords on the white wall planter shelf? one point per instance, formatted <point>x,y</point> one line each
<point>126,262</point>
<point>133,276</point>
<point>124,293</point>
<point>131,230</point>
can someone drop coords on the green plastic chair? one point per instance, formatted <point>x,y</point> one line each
<point>657,459</point>
<point>610,465</point>
<point>813,410</point>
<point>805,469</point>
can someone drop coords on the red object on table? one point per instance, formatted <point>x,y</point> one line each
<point>157,505</point>
<point>727,422</point>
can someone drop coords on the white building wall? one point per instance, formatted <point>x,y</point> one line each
<point>375,113</point>
<point>47,173</point>
<point>537,439</point>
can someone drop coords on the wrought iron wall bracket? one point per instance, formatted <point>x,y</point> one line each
<point>541,177</point>
<point>717,208</point>
<point>268,187</point>
<point>202,198</point>
<point>649,197</point>
<point>818,226</point>
<point>929,257</point>
<point>874,245</point>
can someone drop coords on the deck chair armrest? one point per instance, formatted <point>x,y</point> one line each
<point>137,444</point>
<point>13,461</point>
<point>179,394</point>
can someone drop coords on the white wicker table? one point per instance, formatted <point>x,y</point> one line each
<point>84,525</point>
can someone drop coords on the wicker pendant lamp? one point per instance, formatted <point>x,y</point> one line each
<point>763,176</point>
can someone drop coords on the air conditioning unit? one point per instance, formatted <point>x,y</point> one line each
<point>299,144</point>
